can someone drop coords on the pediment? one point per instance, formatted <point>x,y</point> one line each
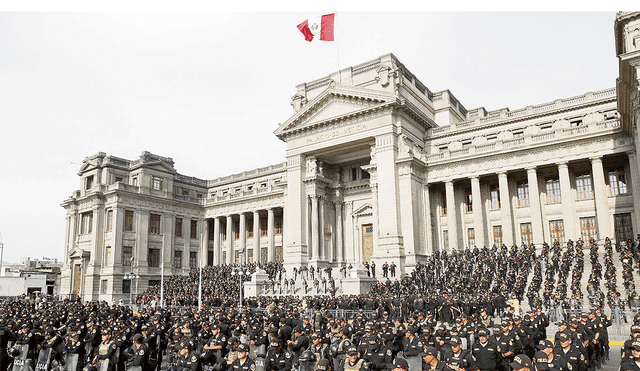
<point>363,210</point>
<point>335,103</point>
<point>77,253</point>
<point>156,165</point>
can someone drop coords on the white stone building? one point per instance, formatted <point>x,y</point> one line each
<point>378,167</point>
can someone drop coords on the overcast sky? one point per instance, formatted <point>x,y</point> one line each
<point>209,88</point>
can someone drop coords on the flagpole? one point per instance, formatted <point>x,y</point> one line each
<point>200,278</point>
<point>162,275</point>
<point>335,38</point>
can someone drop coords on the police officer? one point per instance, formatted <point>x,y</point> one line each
<point>626,347</point>
<point>106,351</point>
<point>353,362</point>
<point>632,365</point>
<point>460,359</point>
<point>521,363</point>
<point>278,359</point>
<point>431,362</point>
<point>486,352</point>
<point>554,360</point>
<point>243,362</point>
<point>414,345</point>
<point>378,356</point>
<point>137,355</point>
<point>571,353</point>
<point>188,359</point>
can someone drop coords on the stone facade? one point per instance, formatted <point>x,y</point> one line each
<point>378,168</point>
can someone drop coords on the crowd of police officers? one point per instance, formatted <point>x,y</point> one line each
<point>428,320</point>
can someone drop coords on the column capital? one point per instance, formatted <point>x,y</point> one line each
<point>531,169</point>
<point>475,177</point>
<point>448,182</point>
<point>562,164</point>
<point>595,159</point>
<point>502,174</point>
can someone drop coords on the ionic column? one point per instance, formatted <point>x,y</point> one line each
<point>634,175</point>
<point>603,217</point>
<point>271,251</point>
<point>242,232</point>
<point>569,221</point>
<point>505,209</point>
<point>229,239</point>
<point>217,254</point>
<point>256,237</point>
<point>476,205</point>
<point>534,205</point>
<point>315,241</point>
<point>451,216</point>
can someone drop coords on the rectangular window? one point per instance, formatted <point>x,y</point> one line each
<point>546,128</point>
<point>154,224</point>
<point>443,204</point>
<point>126,286</point>
<point>250,229</point>
<point>109,220</point>
<point>443,148</point>
<point>103,286</point>
<point>236,230</point>
<point>365,174</point>
<point>445,240</point>
<point>495,197</point>
<point>497,235</point>
<point>617,183</point>
<point>518,134</point>
<point>118,179</point>
<point>177,259</point>
<point>193,260</point>
<point>178,227</point>
<point>526,233</point>
<point>156,183</point>
<point>154,283</point>
<point>523,194</point>
<point>128,220</point>
<point>553,191</point>
<point>86,222</point>
<point>472,237</point>
<point>134,181</point>
<point>88,182</point>
<point>492,139</point>
<point>584,188</point>
<point>154,257</point>
<point>277,222</point>
<point>354,173</point>
<point>622,226</point>
<point>468,200</point>
<point>127,253</point>
<point>466,144</point>
<point>588,228</point>
<point>194,229</point>
<point>556,230</point>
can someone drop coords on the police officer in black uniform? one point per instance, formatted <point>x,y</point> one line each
<point>243,362</point>
<point>378,356</point>
<point>485,351</point>
<point>278,359</point>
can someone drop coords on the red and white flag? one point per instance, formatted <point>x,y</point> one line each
<point>319,28</point>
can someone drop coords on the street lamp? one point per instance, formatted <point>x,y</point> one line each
<point>240,271</point>
<point>131,276</point>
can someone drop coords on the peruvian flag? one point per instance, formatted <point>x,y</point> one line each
<point>320,28</point>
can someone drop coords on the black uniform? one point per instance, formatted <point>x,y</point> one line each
<point>487,355</point>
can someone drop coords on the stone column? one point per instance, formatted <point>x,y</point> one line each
<point>271,250</point>
<point>315,242</point>
<point>217,254</point>
<point>505,209</point>
<point>603,216</point>
<point>339,227</point>
<point>256,237</point>
<point>204,253</point>
<point>634,176</point>
<point>534,205</point>
<point>452,227</point>
<point>230,258</point>
<point>243,237</point>
<point>321,211</point>
<point>476,205</point>
<point>428,233</point>
<point>566,195</point>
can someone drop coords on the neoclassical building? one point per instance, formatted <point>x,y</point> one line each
<point>378,168</point>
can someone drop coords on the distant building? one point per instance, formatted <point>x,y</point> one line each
<point>378,168</point>
<point>31,276</point>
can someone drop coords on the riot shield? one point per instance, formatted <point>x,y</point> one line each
<point>104,365</point>
<point>44,359</point>
<point>20,360</point>
<point>71,362</point>
<point>415,363</point>
<point>260,363</point>
<point>134,368</point>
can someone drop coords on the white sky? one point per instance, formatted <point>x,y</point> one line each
<point>208,88</point>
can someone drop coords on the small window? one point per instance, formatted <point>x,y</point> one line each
<point>103,286</point>
<point>126,286</point>
<point>134,181</point>
<point>224,193</point>
<point>109,220</point>
<point>128,220</point>
<point>178,227</point>
<point>177,259</point>
<point>518,134</point>
<point>88,182</point>
<point>154,257</point>
<point>127,252</point>
<point>194,229</point>
<point>468,200</point>
<point>546,128</point>
<point>365,174</point>
<point>156,183</point>
<point>263,185</point>
<point>492,138</point>
<point>154,224</point>
<point>250,188</point>
<point>118,179</point>
<point>185,192</point>
<point>193,260</point>
<point>238,190</point>
<point>443,148</point>
<point>354,173</point>
<point>466,144</point>
<point>610,115</point>
<point>576,123</point>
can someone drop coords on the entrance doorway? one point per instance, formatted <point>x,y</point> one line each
<point>367,242</point>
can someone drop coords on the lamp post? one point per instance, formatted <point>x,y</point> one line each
<point>240,271</point>
<point>131,276</point>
